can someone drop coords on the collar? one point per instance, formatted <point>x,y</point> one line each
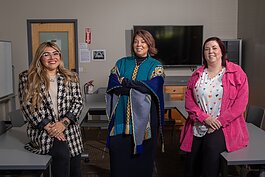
<point>230,68</point>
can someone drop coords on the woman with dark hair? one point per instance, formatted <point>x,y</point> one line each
<point>135,109</point>
<point>216,99</point>
<point>51,101</point>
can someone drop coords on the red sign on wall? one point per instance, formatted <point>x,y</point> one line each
<point>88,35</point>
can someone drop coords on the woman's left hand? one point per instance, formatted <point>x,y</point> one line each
<point>61,137</point>
<point>213,123</point>
<point>218,126</point>
<point>56,130</point>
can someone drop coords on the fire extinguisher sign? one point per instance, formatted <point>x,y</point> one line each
<point>88,35</point>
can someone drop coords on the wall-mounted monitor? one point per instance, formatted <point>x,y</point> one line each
<point>233,50</point>
<point>177,45</point>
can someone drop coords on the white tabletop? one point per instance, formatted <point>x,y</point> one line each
<point>15,157</point>
<point>254,153</point>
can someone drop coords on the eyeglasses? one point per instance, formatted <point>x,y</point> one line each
<point>48,55</point>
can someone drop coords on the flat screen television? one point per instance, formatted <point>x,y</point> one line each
<point>177,45</point>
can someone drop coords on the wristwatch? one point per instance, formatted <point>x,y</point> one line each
<point>65,123</point>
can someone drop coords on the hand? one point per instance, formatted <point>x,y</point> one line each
<point>56,130</point>
<point>210,130</point>
<point>213,123</point>
<point>121,79</point>
<point>61,137</point>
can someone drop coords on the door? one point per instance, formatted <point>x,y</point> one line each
<point>61,32</point>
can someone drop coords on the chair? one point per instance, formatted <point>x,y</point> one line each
<point>16,118</point>
<point>255,115</point>
<point>169,121</point>
<point>263,124</point>
<point>2,127</point>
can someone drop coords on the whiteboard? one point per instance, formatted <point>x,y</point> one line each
<point>6,73</point>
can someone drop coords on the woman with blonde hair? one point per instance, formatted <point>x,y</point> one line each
<point>51,101</point>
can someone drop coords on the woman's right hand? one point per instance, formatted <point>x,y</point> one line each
<point>53,132</point>
<point>121,79</point>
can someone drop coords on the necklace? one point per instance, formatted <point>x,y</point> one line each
<point>52,79</point>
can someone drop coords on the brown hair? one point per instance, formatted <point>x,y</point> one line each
<point>149,39</point>
<point>222,47</point>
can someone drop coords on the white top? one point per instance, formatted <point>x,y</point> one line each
<point>208,93</point>
<point>53,94</point>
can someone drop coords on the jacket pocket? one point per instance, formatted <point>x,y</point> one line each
<point>232,90</point>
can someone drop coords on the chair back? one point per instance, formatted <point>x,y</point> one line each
<point>255,115</point>
<point>2,127</point>
<point>16,118</point>
<point>263,123</point>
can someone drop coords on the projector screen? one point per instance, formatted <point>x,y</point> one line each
<point>6,73</point>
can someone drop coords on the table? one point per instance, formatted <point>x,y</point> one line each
<point>15,157</point>
<point>99,107</point>
<point>95,105</point>
<point>178,105</point>
<point>253,154</point>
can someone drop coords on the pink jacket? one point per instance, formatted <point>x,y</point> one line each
<point>234,102</point>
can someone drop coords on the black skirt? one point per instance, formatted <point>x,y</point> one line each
<point>123,163</point>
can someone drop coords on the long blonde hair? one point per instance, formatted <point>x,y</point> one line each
<point>37,76</point>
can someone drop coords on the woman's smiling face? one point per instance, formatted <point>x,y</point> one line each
<point>51,59</point>
<point>140,46</point>
<point>212,52</point>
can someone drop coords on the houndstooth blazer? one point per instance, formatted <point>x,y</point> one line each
<point>70,104</point>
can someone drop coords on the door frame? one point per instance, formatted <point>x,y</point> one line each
<point>30,22</point>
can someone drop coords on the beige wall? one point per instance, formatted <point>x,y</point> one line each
<point>109,20</point>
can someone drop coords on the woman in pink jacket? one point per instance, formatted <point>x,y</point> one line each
<point>216,99</point>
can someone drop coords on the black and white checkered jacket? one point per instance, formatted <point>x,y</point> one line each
<point>70,104</point>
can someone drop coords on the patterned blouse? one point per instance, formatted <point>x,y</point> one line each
<point>208,93</point>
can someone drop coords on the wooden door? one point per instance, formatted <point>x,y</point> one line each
<point>63,33</point>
